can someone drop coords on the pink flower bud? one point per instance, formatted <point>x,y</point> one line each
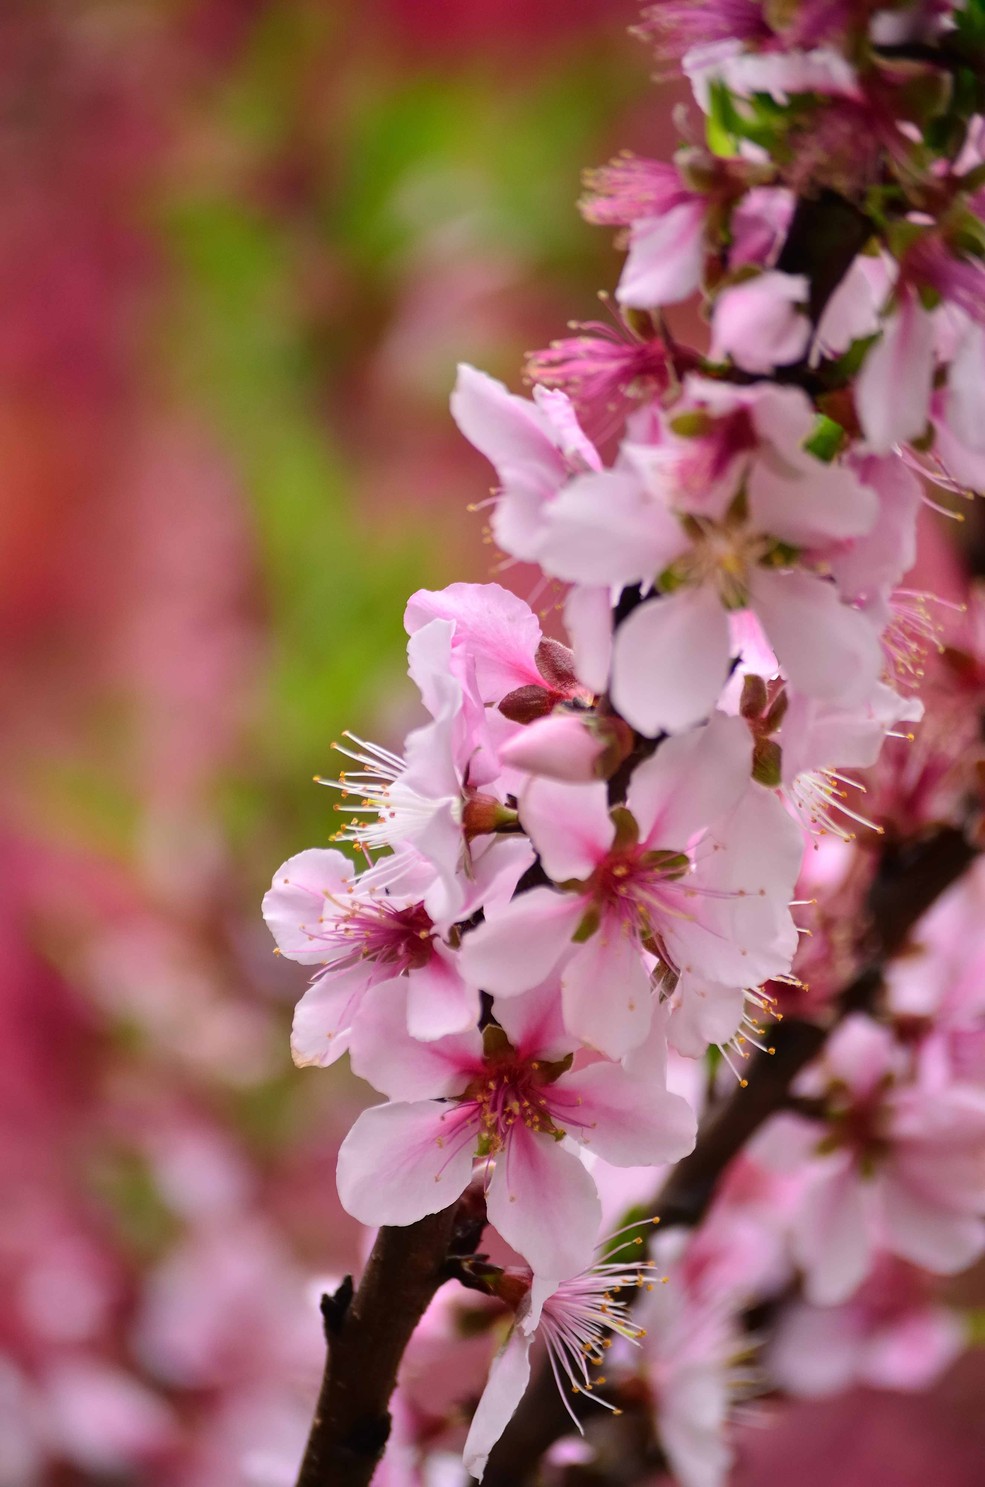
<point>562,747</point>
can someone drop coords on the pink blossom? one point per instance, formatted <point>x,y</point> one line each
<point>495,637</point>
<point>890,1335</point>
<point>689,1350</point>
<point>648,880</point>
<point>361,934</point>
<point>441,794</point>
<point>666,257</point>
<point>671,655</point>
<point>903,1169</point>
<point>573,1319</point>
<point>563,746</point>
<point>511,1098</point>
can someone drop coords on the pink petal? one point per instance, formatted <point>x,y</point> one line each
<point>630,1124</point>
<point>670,661</point>
<point>498,864</point>
<point>913,1351</point>
<point>888,551</point>
<point>666,257</point>
<point>392,1060</point>
<point>569,825</point>
<point>810,503</point>
<point>439,1000</point>
<point>916,1229</point>
<point>606,529</point>
<point>516,948</point>
<point>544,1203</point>
<point>324,1016</point>
<point>691,781</point>
<point>825,648</point>
<point>400,1162</point>
<point>494,628</point>
<point>704,1013</point>
<point>508,1379</point>
<point>606,992</point>
<point>832,1240</point>
<point>815,1350</point>
<point>294,904</point>
<point>559,747</point>
<point>588,619</point>
<point>508,430</point>
<point>533,1022</point>
<point>892,394</point>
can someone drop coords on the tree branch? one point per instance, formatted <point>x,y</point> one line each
<point>367,1333</point>
<point>911,876</point>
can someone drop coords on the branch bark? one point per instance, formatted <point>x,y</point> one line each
<point>366,1334</point>
<point>910,878</point>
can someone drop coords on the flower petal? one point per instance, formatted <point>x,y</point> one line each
<point>569,825</point>
<point>324,1016</point>
<point>521,944</point>
<point>691,781</point>
<point>295,902</point>
<point>544,1203</point>
<point>606,529</point>
<point>670,661</point>
<point>630,1124</point>
<point>439,1000</point>
<point>508,1378</point>
<point>666,257</point>
<point>395,1166</point>
<point>606,992</point>
<point>395,1062</point>
<point>832,1239</point>
<point>825,648</point>
<point>892,394</point>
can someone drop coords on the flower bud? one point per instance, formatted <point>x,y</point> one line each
<point>576,748</point>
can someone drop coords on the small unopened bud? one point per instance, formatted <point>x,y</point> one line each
<point>560,747</point>
<point>483,814</point>
<point>576,748</point>
<point>754,697</point>
<point>767,763</point>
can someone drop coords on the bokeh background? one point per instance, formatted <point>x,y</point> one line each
<point>243,244</point>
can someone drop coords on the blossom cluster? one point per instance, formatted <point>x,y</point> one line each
<point>578,882</point>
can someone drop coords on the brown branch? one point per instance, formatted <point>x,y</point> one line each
<point>367,1333</point>
<point>910,878</point>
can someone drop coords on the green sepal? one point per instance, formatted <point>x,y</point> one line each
<point>495,1043</point>
<point>627,831</point>
<point>767,763</point>
<point>588,925</point>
